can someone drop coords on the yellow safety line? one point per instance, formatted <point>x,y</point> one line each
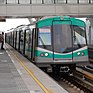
<point>32,75</point>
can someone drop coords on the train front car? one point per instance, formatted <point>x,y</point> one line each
<point>61,44</point>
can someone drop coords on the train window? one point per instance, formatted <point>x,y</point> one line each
<point>60,1</point>
<point>2,1</point>
<point>44,36</point>
<point>91,1</point>
<point>79,35</point>
<point>24,1</point>
<point>12,1</point>
<point>83,1</point>
<point>72,1</point>
<point>36,1</point>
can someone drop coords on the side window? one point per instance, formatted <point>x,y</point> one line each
<point>79,35</point>
<point>44,36</point>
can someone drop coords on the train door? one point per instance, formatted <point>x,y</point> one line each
<point>28,43</point>
<point>62,41</point>
<point>21,41</point>
<point>15,39</point>
<point>19,38</point>
<point>11,39</point>
<point>33,44</point>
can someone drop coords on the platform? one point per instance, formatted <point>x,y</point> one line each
<point>19,75</point>
<point>10,79</point>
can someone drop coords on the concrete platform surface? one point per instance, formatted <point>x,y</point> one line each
<point>19,75</point>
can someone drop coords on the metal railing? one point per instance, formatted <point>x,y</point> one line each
<point>46,1</point>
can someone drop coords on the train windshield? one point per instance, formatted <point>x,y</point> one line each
<point>62,38</point>
<point>79,38</point>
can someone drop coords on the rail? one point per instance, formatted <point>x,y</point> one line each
<point>81,81</point>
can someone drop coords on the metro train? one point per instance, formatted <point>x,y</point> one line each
<point>55,44</point>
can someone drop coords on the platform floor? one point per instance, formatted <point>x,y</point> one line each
<point>10,79</point>
<point>19,75</point>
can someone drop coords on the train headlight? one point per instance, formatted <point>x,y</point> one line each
<point>46,54</point>
<point>82,53</point>
<point>42,54</point>
<point>78,53</point>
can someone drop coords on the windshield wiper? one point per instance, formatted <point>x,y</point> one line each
<point>42,42</point>
<point>75,39</point>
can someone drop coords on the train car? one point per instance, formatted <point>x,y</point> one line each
<point>56,44</point>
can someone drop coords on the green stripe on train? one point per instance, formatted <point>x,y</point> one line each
<point>50,55</point>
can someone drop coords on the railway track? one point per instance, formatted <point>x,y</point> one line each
<point>88,68</point>
<point>81,82</point>
<point>80,79</point>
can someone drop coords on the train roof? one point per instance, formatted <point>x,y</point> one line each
<point>71,21</point>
